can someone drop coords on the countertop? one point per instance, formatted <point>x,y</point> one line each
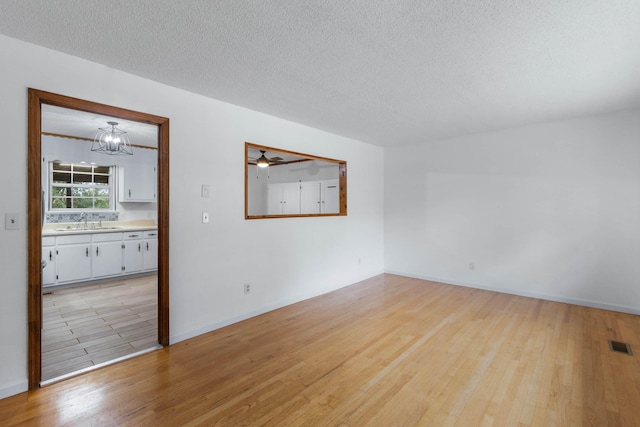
<point>66,229</point>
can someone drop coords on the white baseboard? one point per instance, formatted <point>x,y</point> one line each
<point>548,297</point>
<point>217,325</point>
<point>282,303</point>
<point>10,389</point>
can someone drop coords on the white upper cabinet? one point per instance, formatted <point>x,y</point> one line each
<point>310,197</point>
<point>137,183</point>
<point>284,198</point>
<point>306,198</point>
<point>330,197</point>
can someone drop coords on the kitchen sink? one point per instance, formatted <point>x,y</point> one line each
<point>88,229</point>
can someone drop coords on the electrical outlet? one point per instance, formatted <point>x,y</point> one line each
<point>247,288</point>
<point>205,217</point>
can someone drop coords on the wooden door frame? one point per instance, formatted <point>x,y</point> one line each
<point>36,99</point>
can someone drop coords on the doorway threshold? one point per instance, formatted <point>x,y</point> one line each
<point>98,366</point>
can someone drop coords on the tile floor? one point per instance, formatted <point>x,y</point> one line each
<point>91,324</point>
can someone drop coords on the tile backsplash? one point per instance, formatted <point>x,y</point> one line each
<point>56,217</point>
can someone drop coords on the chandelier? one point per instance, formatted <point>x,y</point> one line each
<point>111,140</point>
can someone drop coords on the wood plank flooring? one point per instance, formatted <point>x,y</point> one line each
<point>88,325</point>
<point>389,351</point>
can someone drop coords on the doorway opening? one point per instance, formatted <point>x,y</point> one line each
<point>106,240</point>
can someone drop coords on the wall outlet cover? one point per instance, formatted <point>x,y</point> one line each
<point>11,221</point>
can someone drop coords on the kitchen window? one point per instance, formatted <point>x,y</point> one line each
<point>80,186</point>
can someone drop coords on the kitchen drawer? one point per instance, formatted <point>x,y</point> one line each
<point>107,237</point>
<point>132,235</point>
<point>49,241</point>
<point>150,234</point>
<point>76,238</point>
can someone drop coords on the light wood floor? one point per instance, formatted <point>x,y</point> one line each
<point>387,351</point>
<point>91,324</point>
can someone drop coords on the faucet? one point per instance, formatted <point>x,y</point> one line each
<point>83,216</point>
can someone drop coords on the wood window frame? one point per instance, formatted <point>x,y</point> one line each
<point>342,181</point>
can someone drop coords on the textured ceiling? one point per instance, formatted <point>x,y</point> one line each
<point>385,72</point>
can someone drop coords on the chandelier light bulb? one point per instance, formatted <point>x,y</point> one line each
<point>111,140</point>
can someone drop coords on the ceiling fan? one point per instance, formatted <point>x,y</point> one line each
<point>264,161</point>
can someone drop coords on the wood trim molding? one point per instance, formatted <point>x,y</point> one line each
<point>36,98</point>
<point>34,241</point>
<point>342,170</point>
<point>163,232</point>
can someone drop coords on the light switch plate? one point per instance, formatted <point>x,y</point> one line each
<point>205,190</point>
<point>11,221</point>
<point>205,217</point>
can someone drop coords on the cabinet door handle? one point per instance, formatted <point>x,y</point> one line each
<point>147,246</point>
<point>138,247</point>
<point>87,252</point>
<point>50,256</point>
<point>97,250</point>
<point>129,193</point>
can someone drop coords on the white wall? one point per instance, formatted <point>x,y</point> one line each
<point>286,260</point>
<point>551,211</point>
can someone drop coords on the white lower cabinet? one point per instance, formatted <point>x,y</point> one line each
<point>48,261</point>
<point>150,250</point>
<point>84,257</point>
<point>73,258</point>
<point>132,244</point>
<point>107,255</point>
